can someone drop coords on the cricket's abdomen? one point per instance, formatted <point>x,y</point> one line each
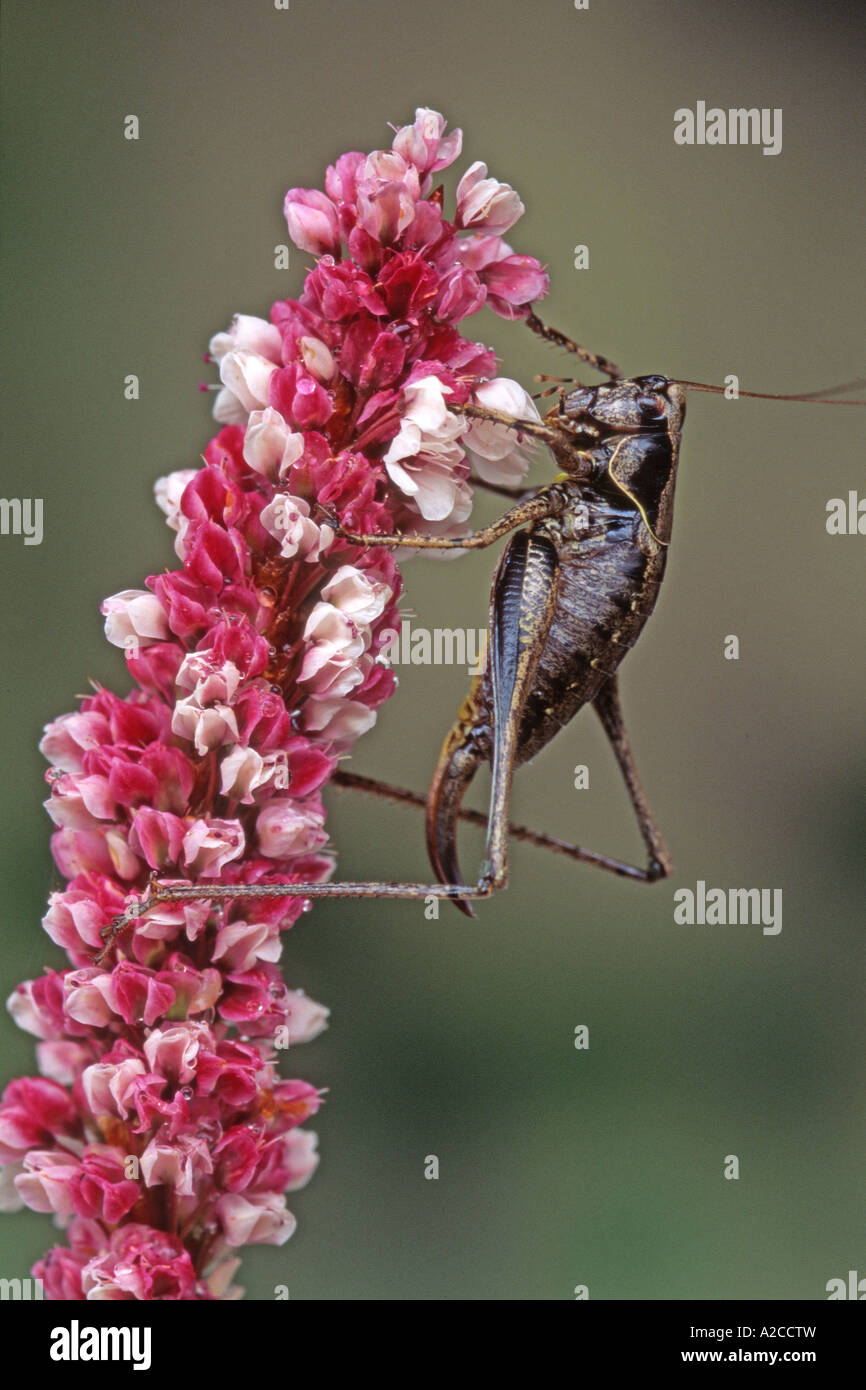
<point>607,586</point>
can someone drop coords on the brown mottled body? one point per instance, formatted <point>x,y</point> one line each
<point>608,525</point>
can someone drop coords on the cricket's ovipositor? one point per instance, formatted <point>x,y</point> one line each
<point>571,595</point>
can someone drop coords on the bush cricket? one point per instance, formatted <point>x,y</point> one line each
<point>571,595</point>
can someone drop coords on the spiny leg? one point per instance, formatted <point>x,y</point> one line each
<point>593,359</point>
<point>548,434</point>
<point>607,706</point>
<point>159,892</point>
<point>543,504</point>
<point>559,439</point>
<point>371,786</point>
<point>501,489</point>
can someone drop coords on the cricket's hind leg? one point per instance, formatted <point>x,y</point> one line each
<point>607,706</point>
<point>462,752</point>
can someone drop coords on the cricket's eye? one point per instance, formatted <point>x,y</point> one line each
<point>652,408</point>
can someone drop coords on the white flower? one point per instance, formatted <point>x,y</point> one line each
<point>500,453</point>
<point>209,845</point>
<point>340,721</point>
<point>206,728</point>
<point>270,447</point>
<point>240,944</point>
<point>243,771</point>
<point>246,375</point>
<point>251,333</point>
<point>208,682</point>
<point>134,618</point>
<point>487,204</point>
<point>307,1019</point>
<point>227,409</point>
<point>286,827</point>
<point>318,359</point>
<point>361,597</point>
<point>168,492</point>
<point>422,457</point>
<point>288,520</point>
<point>262,1218</point>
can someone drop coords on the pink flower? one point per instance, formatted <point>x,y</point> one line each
<point>388,189</point>
<point>299,397</point>
<point>46,1182</point>
<point>37,1005</point>
<point>286,828</point>
<point>160,1132</point>
<point>60,1272</point>
<point>100,1189</point>
<point>484,202</point>
<point>173,1051</point>
<point>313,223</point>
<point>33,1112</point>
<point>259,1219</point>
<point>142,1263</point>
<point>209,845</point>
<point>69,737</point>
<point>512,282</point>
<point>424,143</point>
<point>158,836</point>
<point>108,1086</point>
<point>63,1061</point>
<point>239,945</point>
<point>75,918</point>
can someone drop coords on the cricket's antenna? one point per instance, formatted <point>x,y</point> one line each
<point>813,397</point>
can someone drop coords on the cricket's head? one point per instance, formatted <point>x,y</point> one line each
<point>643,404</point>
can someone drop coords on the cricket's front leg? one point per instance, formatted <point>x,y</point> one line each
<point>537,429</point>
<point>592,359</point>
<point>545,503</point>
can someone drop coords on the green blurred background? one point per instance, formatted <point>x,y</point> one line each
<point>557,1167</point>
